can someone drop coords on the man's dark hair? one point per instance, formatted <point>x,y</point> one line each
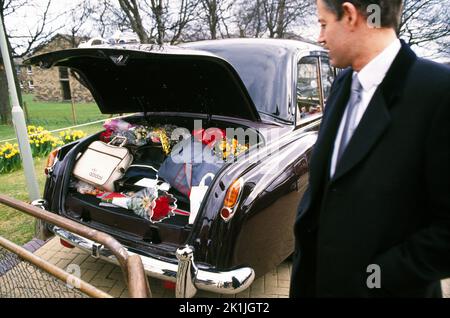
<point>390,10</point>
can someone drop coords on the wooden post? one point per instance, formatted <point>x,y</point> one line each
<point>74,116</point>
<point>25,109</point>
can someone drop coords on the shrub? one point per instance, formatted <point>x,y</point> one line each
<point>41,141</point>
<point>69,136</point>
<point>9,158</point>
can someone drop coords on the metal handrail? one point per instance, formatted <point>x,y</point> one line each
<point>135,287</point>
<point>53,270</point>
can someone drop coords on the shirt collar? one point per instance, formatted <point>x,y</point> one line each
<point>373,73</point>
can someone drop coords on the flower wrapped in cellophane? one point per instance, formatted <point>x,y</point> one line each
<point>152,204</point>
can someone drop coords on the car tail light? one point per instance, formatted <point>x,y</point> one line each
<point>51,160</point>
<point>226,213</point>
<point>233,194</point>
<point>231,199</point>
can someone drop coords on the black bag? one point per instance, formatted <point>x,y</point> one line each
<point>147,160</point>
<point>134,174</point>
<point>149,155</point>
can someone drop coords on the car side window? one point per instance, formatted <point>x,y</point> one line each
<point>309,97</point>
<point>327,74</point>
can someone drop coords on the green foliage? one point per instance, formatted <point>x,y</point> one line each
<point>42,143</point>
<point>69,136</point>
<point>9,158</point>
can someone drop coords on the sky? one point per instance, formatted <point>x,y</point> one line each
<point>25,21</point>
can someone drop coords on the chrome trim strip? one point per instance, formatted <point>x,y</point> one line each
<point>185,287</point>
<point>207,279</point>
<point>41,203</point>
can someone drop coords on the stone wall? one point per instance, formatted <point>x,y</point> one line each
<point>48,85</point>
<point>80,94</point>
<point>24,79</point>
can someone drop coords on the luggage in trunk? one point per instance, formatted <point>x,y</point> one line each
<point>150,157</point>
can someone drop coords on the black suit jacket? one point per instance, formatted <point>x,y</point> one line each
<point>389,201</point>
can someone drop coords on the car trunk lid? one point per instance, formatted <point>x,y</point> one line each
<point>157,80</point>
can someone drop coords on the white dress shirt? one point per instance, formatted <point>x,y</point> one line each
<point>370,77</point>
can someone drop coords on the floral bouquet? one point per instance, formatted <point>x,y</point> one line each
<point>117,125</point>
<point>152,204</point>
<point>229,149</point>
<point>162,135</point>
<point>159,136</point>
<point>209,137</point>
<point>138,135</point>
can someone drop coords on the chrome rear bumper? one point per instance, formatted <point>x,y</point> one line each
<point>185,273</point>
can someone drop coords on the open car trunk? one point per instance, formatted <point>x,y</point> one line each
<point>94,207</point>
<point>154,80</point>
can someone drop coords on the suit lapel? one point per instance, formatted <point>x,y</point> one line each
<point>329,126</point>
<point>376,119</point>
<point>371,128</point>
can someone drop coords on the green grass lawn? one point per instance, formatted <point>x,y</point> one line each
<point>17,226</point>
<point>54,116</point>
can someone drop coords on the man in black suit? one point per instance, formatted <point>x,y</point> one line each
<point>375,220</point>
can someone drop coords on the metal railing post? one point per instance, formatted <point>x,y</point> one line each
<point>18,119</point>
<point>137,287</point>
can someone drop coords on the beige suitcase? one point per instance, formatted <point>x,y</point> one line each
<point>102,164</point>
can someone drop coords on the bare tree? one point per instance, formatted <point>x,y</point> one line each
<point>186,14</point>
<point>425,23</point>
<point>133,11</point>
<point>109,18</point>
<point>172,18</point>
<point>77,19</point>
<point>159,11</point>
<point>271,17</point>
<point>280,14</point>
<point>24,43</point>
<point>249,19</point>
<point>5,113</point>
<point>159,20</point>
<point>214,15</point>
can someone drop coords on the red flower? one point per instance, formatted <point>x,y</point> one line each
<point>106,135</point>
<point>209,137</point>
<point>162,208</point>
<point>198,134</point>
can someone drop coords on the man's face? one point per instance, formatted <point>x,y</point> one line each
<point>334,36</point>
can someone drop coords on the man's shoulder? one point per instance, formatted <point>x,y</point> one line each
<point>428,79</point>
<point>430,73</point>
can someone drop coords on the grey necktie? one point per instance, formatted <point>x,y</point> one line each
<point>350,122</point>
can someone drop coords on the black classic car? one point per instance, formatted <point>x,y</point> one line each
<point>271,92</point>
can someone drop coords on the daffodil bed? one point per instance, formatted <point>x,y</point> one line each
<point>42,142</point>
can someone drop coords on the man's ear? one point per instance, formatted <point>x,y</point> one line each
<point>350,14</point>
